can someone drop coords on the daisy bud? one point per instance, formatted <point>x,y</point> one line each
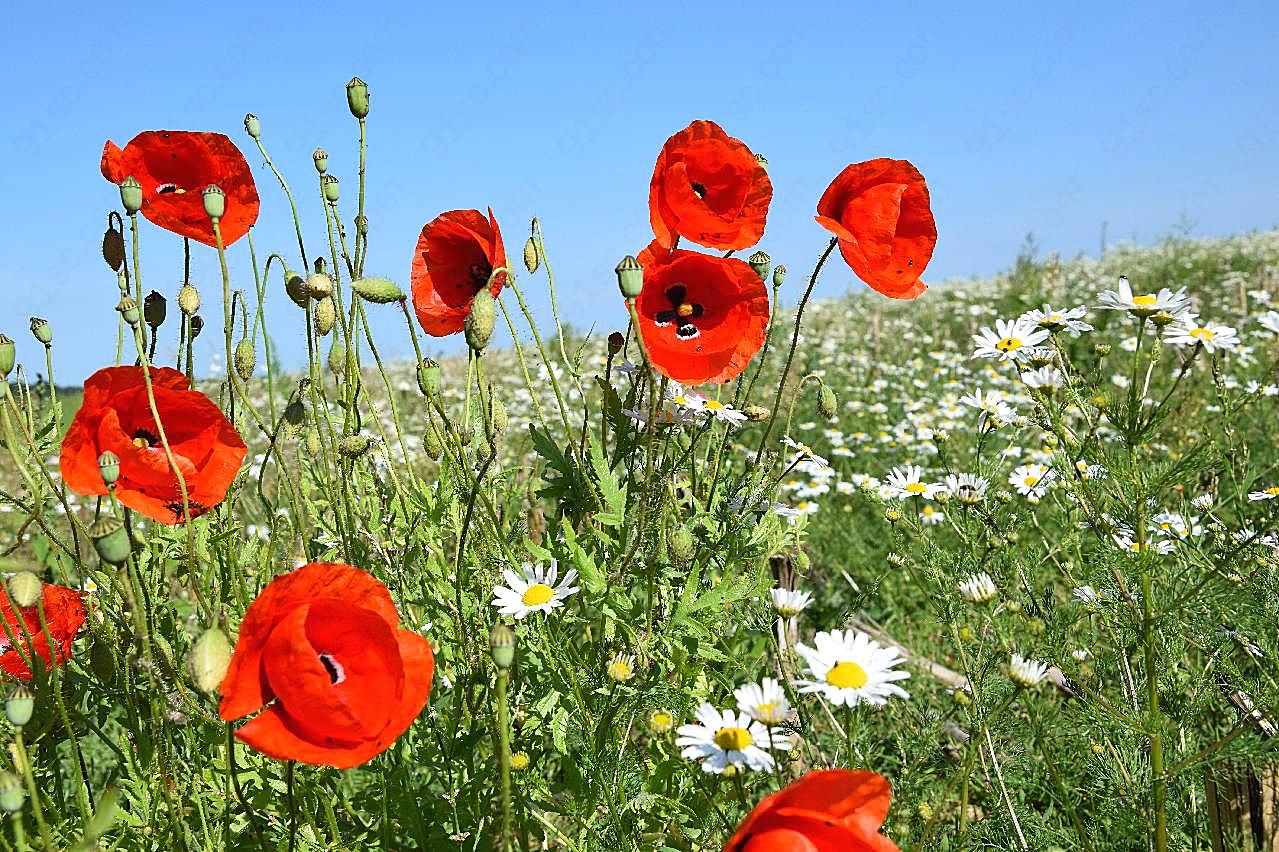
<point>431,444</point>
<point>924,811</point>
<point>11,795</point>
<point>502,646</point>
<point>326,315</point>
<point>321,160</point>
<point>379,291</point>
<point>779,274</point>
<point>25,589</point>
<point>111,541</point>
<point>892,516</point>
<point>252,126</point>
<point>154,309</point>
<point>962,698</point>
<point>680,546</point>
<point>519,761</point>
<point>730,771</point>
<point>319,285</point>
<point>615,342</point>
<point>362,225</point>
<point>755,413</point>
<point>188,299</point>
<point>210,657</point>
<point>19,706</point>
<point>357,97</point>
<point>827,405</point>
<point>42,331</point>
<point>8,354</point>
<point>196,325</point>
<point>1004,496</point>
<point>761,263</point>
<point>1163,318</point>
<point>214,201</point>
<point>129,310</point>
<point>478,325</point>
<point>966,633</point>
<point>1102,349</point>
<point>661,722</point>
<point>337,357</point>
<point>428,377</point>
<point>295,287</point>
<point>113,248</point>
<point>354,446</point>
<point>630,277</point>
<point>245,358</point>
<point>109,467</point>
<point>131,195</point>
<point>331,189</point>
<point>531,260</point>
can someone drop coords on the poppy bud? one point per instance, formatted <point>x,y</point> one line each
<point>755,413</point>
<point>615,342</point>
<point>196,325</point>
<point>214,201</point>
<point>188,299</point>
<point>362,225</point>
<point>122,281</point>
<point>7,355</point>
<point>11,795</point>
<point>129,310</point>
<point>154,309</point>
<point>210,657</point>
<point>311,443</point>
<point>326,314</point>
<point>42,330</point>
<point>245,358</point>
<point>321,160</point>
<point>761,263</point>
<point>431,444</point>
<point>131,195</point>
<point>330,186</point>
<point>113,248</point>
<point>630,277</point>
<point>379,291</point>
<point>294,412</point>
<point>110,540</point>
<point>337,357</point>
<point>319,285</point>
<point>531,260</point>
<point>19,706</point>
<point>502,646</point>
<point>102,661</point>
<point>680,546</point>
<point>357,97</point>
<point>109,467</point>
<point>827,405</point>
<point>252,126</point>
<point>25,589</point>
<point>296,288</point>
<point>428,377</point>
<point>497,418</point>
<point>779,274</point>
<point>354,446</point>
<point>478,324</point>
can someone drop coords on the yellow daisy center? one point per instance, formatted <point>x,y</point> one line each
<point>847,675</point>
<point>619,670</point>
<point>1008,344</point>
<point>685,310</point>
<point>1031,481</point>
<point>519,761</point>
<point>1274,489</point>
<point>733,739</point>
<point>537,594</point>
<point>660,721</point>
<point>1145,300</point>
<point>713,405</point>
<point>1202,333</point>
<point>915,488</point>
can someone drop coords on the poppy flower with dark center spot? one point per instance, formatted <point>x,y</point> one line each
<point>831,810</point>
<point>456,253</point>
<point>116,415</point>
<point>321,654</point>
<point>702,317</point>
<point>880,212</point>
<point>63,613</point>
<point>708,188</point>
<point>173,167</point>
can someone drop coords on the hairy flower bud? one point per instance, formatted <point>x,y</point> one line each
<point>431,444</point>
<point>11,793</point>
<point>337,357</point>
<point>827,405</point>
<point>109,467</point>
<point>155,308</point>
<point>25,589</point>
<point>252,126</point>
<point>630,277</point>
<point>41,330</point>
<point>478,325</point>
<point>102,661</point>
<point>326,315</point>
<point>245,358</point>
<point>131,195</point>
<point>428,377</point>
<point>497,418</point>
<point>680,546</point>
<point>8,354</point>
<point>210,657</point>
<point>357,97</point>
<point>502,646</point>
<point>319,285</point>
<point>214,201</point>
<point>761,263</point>
<point>354,446</point>
<point>756,413</point>
<point>188,299</point>
<point>379,291</point>
<point>531,259</point>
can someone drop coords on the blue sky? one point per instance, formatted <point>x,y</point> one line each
<point>1151,117</point>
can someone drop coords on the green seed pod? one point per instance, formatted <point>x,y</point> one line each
<point>245,358</point>
<point>42,331</point>
<point>252,126</point>
<point>502,646</point>
<point>379,291</point>
<point>214,201</point>
<point>154,309</point>
<point>428,377</point>
<point>111,541</point>
<point>210,656</point>
<point>431,444</point>
<point>357,97</point>
<point>779,274</point>
<point>827,404</point>
<point>337,357</point>
<point>113,248</point>
<point>8,354</point>
<point>188,299</point>
<point>755,413</point>
<point>615,342</point>
<point>478,325</point>
<point>129,310</point>
<point>354,446</point>
<point>331,189</point>
<point>19,706</point>
<point>25,589</point>
<point>531,259</point>
<point>326,315</point>
<point>680,546</point>
<point>630,277</point>
<point>11,794</point>
<point>102,661</point>
<point>321,160</point>
<point>109,467</point>
<point>761,263</point>
<point>295,287</point>
<point>131,195</point>
<point>319,285</point>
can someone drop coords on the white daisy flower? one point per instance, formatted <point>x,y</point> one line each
<point>1031,480</point>
<point>1043,378</point>
<point>967,488</point>
<point>725,413</point>
<point>978,588</point>
<point>1203,502</point>
<point>1210,335</point>
<point>685,399</point>
<point>904,483</point>
<point>850,668</point>
<point>764,701</point>
<point>534,589</point>
<point>1009,341</point>
<point>930,516</point>
<point>1269,321</point>
<point>1144,305</point>
<point>789,603</point>
<point>994,411</point>
<point>1268,494</point>
<point>721,739</point>
<point>1027,673</point>
<point>1069,320</point>
<point>1126,541</point>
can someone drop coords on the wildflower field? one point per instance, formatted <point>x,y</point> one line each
<point>986,564</point>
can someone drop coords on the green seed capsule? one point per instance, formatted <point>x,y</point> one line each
<point>379,291</point>
<point>210,657</point>
<point>42,331</point>
<point>779,274</point>
<point>252,126</point>
<point>111,541</point>
<point>19,706</point>
<point>478,325</point>
<point>129,310</point>
<point>214,201</point>
<point>109,467</point>
<point>321,160</point>
<point>357,97</point>
<point>8,354</point>
<point>131,195</point>
<point>331,189</point>
<point>630,277</point>
<point>761,263</point>
<point>11,795</point>
<point>245,358</point>
<point>502,646</point>
<point>25,589</point>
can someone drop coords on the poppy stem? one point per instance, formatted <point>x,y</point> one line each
<point>297,225</point>
<point>293,810</point>
<point>503,714</point>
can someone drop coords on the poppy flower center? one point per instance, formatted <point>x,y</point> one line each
<point>537,594</point>
<point>699,190</point>
<point>479,274</point>
<point>143,438</point>
<point>681,313</point>
<point>847,675</point>
<point>733,739</point>
<point>169,189</point>
<point>337,674</point>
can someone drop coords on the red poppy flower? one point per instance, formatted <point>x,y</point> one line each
<point>702,317</point>
<point>63,613</point>
<point>116,415</point>
<point>321,649</point>
<point>456,253</point>
<point>830,810</point>
<point>880,212</point>
<point>709,188</point>
<point>174,166</point>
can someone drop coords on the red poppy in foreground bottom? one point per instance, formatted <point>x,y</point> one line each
<point>830,810</point>
<point>321,649</point>
<point>63,613</point>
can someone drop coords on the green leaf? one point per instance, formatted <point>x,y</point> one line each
<point>613,491</point>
